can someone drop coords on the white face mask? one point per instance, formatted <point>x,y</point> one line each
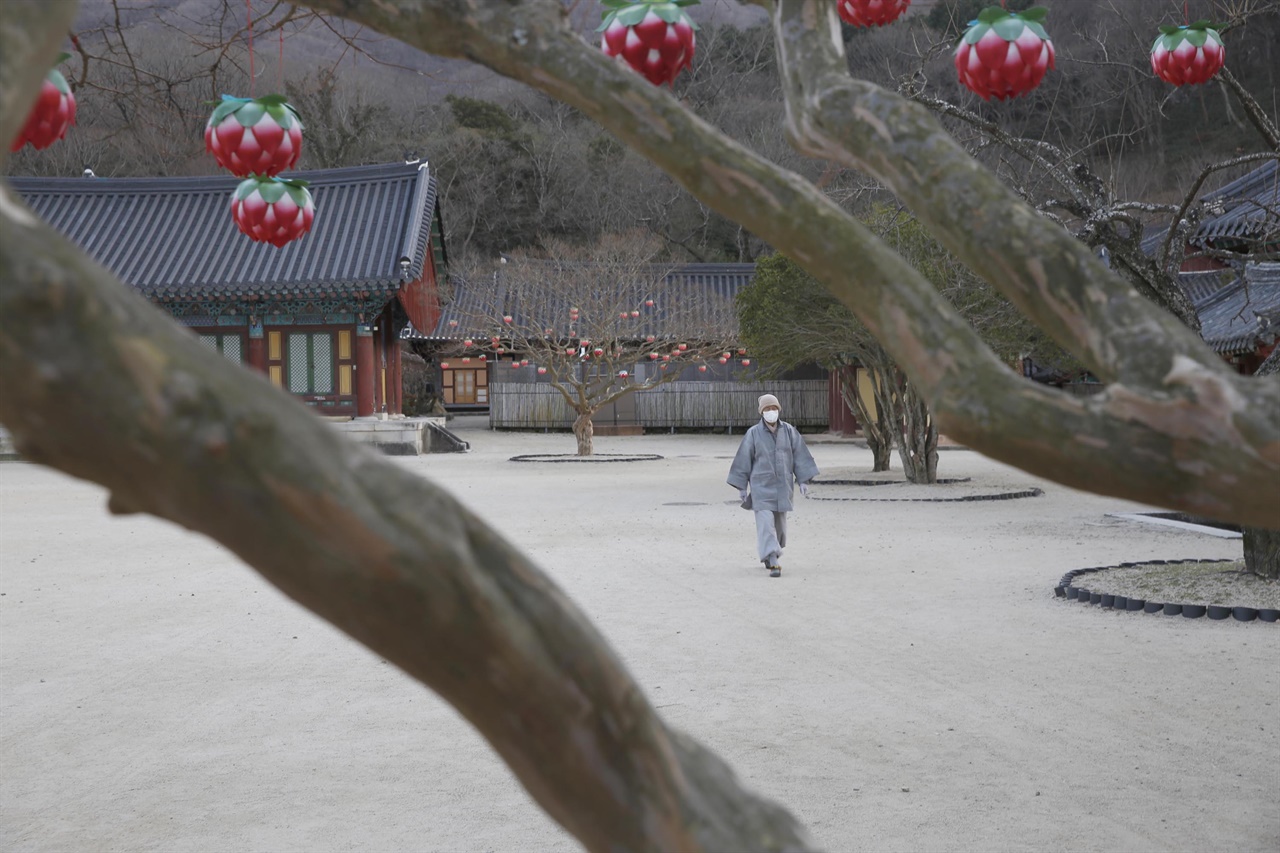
<point>771,417</point>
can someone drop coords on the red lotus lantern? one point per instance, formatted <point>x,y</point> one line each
<point>622,373</point>
<point>648,339</point>
<point>466,359</point>
<point>653,356</point>
<point>506,318</point>
<point>468,342</point>
<point>742,351</point>
<point>541,370</point>
<point>1004,54</point>
<point>746,362</point>
<point>453,324</point>
<point>648,303</point>
<point>724,360</point>
<point>623,315</point>
<point>515,365</point>
<point>666,358</point>
<point>871,13</point>
<point>1189,54</point>
<point>635,314</point>
<point>655,38</point>
<point>682,347</point>
<point>597,352</point>
<point>484,358</point>
<point>548,331</point>
<point>524,362</point>
<point>444,365</point>
<point>702,368</point>
<point>254,136</point>
<point>271,210</point>
<point>53,112</point>
<point>586,342</point>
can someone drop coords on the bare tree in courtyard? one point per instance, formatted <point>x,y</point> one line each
<point>788,319</point>
<point>598,323</point>
<point>408,571</point>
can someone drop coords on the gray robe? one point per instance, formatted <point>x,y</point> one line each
<point>772,467</point>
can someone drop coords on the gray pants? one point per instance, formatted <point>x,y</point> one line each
<point>771,535</point>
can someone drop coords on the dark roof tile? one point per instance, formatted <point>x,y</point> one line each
<point>175,236</point>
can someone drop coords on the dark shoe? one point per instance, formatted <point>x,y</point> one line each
<point>775,571</point>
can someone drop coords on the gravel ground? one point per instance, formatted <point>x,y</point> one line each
<point>910,682</point>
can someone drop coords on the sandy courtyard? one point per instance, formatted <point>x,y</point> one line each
<point>910,683</point>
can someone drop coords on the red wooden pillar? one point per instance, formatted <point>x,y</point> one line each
<point>379,366</point>
<point>840,418</point>
<point>257,351</point>
<point>366,373</point>
<point>397,379</point>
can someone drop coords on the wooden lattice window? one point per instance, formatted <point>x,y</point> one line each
<point>230,346</point>
<point>310,363</point>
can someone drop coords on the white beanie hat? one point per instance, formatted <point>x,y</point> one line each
<point>768,400</point>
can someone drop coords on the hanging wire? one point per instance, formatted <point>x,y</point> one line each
<point>280,65</point>
<point>248,9</point>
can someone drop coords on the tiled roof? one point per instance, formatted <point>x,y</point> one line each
<point>173,238</point>
<point>713,284</point>
<point>1244,314</point>
<point>1250,209</point>
<point>1246,209</point>
<point>1199,285</point>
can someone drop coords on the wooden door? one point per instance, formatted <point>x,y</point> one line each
<point>466,386</point>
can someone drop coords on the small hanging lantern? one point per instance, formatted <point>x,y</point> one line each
<point>258,136</point>
<point>271,210</point>
<point>871,13</point>
<point>1004,54</point>
<point>1189,54</point>
<point>541,370</point>
<point>654,37</point>
<point>53,112</point>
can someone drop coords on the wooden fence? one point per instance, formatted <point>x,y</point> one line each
<point>694,405</point>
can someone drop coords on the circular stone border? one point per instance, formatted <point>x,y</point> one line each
<point>1000,496</point>
<point>595,457</point>
<point>1067,589</point>
<point>941,481</point>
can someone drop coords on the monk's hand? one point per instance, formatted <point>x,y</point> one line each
<point>804,489</point>
<point>742,494</point>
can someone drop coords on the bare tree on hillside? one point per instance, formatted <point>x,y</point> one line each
<point>407,570</point>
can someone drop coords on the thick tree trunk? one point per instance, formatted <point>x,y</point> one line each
<point>876,427</point>
<point>1262,552</point>
<point>1262,545</point>
<point>583,430</point>
<point>919,449</point>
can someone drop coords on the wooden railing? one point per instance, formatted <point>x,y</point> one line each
<point>696,405</point>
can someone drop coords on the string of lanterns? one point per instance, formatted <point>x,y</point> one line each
<point>1001,54</point>
<point>583,350</point>
<point>256,139</point>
